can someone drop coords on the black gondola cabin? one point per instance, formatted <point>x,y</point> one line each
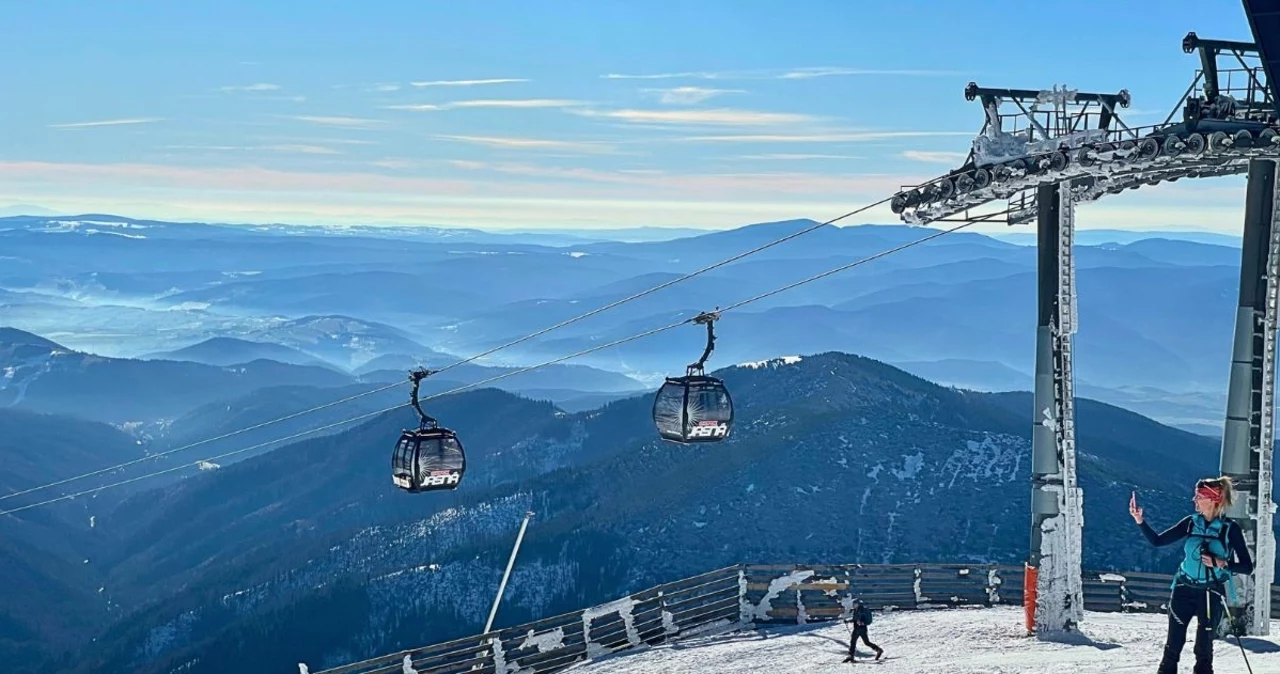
<point>428,459</point>
<point>695,407</point>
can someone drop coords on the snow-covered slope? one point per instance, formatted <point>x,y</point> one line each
<point>958,641</point>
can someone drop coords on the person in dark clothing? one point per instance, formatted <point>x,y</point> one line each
<point>1213,549</point>
<point>860,616</point>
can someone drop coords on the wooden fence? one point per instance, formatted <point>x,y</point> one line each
<point>745,595</point>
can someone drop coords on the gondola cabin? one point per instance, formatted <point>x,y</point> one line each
<point>428,459</point>
<point>693,408</point>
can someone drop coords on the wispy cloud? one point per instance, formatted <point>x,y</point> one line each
<point>515,103</point>
<point>106,122</point>
<point>479,199</point>
<point>273,139</point>
<point>261,86</point>
<point>513,143</point>
<point>467,83</point>
<point>283,147</point>
<point>393,163</point>
<point>666,76</point>
<point>689,95</point>
<point>855,137</point>
<point>935,157</point>
<point>418,107</point>
<point>385,87</point>
<point>781,74</point>
<point>303,149</point>
<point>798,157</point>
<point>489,103</point>
<point>809,73</point>
<point>721,117</point>
<point>345,122</point>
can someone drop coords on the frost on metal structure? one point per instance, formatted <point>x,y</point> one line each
<point>746,611</point>
<point>776,587</point>
<point>1247,438</point>
<point>500,664</point>
<point>547,641</point>
<point>916,588</point>
<point>1056,499</point>
<point>1054,119</point>
<point>623,607</point>
<point>669,626</point>
<point>993,586</point>
<point>1053,136</point>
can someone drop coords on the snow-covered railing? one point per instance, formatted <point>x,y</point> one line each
<point>810,593</point>
<point>705,603</point>
<point>742,597</point>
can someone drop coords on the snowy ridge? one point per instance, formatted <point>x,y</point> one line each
<point>959,618</point>
<point>771,362</point>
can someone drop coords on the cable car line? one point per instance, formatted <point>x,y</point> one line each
<point>504,375</point>
<point>224,436</point>
<point>295,436</point>
<point>693,408</point>
<point>850,265</point>
<point>493,350</point>
<point>197,462</point>
<point>672,282</point>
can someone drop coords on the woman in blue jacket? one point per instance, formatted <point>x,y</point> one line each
<point>1213,549</point>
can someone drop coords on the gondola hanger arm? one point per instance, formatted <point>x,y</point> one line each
<point>709,319</point>
<point>416,376</point>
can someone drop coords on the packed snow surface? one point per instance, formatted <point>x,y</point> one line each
<point>959,641</point>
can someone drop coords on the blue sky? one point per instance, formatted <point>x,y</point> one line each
<point>593,113</point>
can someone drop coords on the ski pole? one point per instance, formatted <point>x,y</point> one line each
<point>1232,621</point>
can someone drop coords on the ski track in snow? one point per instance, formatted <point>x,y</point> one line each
<point>957,641</point>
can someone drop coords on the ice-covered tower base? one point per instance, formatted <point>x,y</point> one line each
<point>1055,602</point>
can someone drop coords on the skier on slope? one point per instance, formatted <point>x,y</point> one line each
<point>860,616</point>
<point>1213,549</point>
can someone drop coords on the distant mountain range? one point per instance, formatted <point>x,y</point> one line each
<point>958,308</point>
<point>231,351</point>
<point>231,378</point>
<point>1097,237</point>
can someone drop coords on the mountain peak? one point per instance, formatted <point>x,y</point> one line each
<point>11,337</point>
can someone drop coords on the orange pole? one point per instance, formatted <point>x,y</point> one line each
<point>1030,574</point>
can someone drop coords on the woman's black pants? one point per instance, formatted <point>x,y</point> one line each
<point>1206,606</point>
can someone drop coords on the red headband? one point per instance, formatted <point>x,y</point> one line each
<point>1210,493</point>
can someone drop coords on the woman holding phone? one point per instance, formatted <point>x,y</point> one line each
<point>1213,548</point>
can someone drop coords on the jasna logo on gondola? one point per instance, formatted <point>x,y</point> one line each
<point>439,477</point>
<point>709,429</point>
